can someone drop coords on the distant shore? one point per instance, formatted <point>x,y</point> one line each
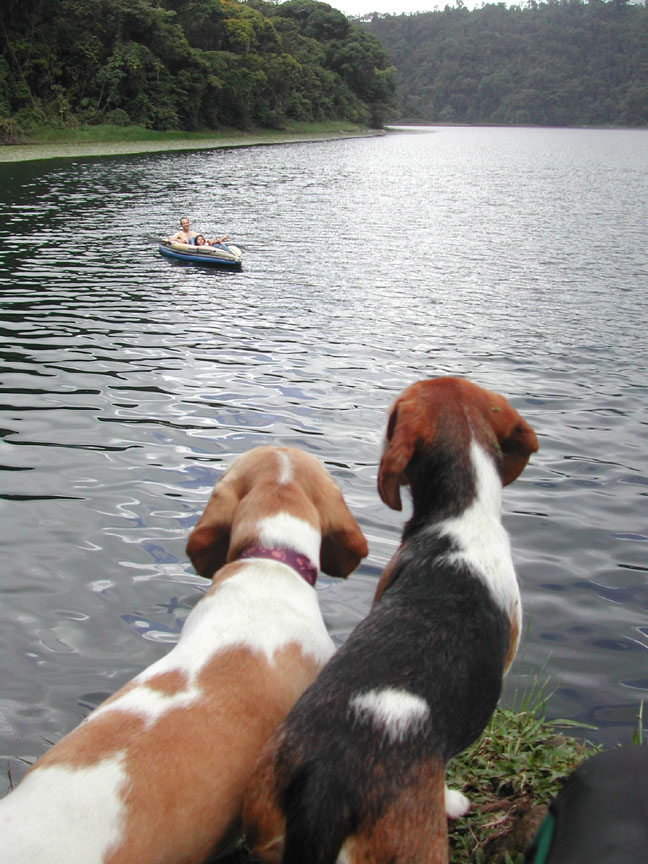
<point>118,141</point>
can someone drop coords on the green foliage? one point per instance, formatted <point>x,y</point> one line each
<point>562,62</point>
<point>186,64</point>
<point>346,71</point>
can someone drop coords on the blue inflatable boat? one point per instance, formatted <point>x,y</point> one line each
<point>222,255</point>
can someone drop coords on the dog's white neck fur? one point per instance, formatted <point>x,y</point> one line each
<point>289,532</point>
<point>481,540</point>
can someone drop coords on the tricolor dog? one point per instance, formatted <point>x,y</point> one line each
<point>157,773</point>
<point>355,774</point>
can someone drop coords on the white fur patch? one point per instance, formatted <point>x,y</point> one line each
<point>285,468</point>
<point>148,704</point>
<point>482,540</point>
<point>41,818</point>
<point>263,607</point>
<point>396,712</point>
<point>456,804</point>
<point>291,532</point>
<point>342,857</point>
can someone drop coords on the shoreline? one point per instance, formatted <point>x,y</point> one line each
<point>31,152</point>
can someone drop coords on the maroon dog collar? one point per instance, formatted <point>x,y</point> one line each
<point>301,563</point>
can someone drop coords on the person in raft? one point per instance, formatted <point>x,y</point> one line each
<point>185,234</point>
<point>200,240</point>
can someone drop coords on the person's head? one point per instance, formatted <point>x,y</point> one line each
<point>184,223</point>
<point>200,240</point>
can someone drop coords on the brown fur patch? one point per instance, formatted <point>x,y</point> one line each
<point>514,638</point>
<point>386,575</point>
<point>169,683</point>
<point>411,828</point>
<point>264,824</point>
<point>93,741</point>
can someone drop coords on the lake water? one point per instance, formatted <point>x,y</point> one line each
<point>516,257</point>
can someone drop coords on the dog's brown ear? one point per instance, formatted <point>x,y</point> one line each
<point>409,423</point>
<point>209,541</point>
<point>343,544</point>
<point>516,438</point>
<point>517,447</point>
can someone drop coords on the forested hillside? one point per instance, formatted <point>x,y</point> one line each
<point>564,62</point>
<point>186,64</point>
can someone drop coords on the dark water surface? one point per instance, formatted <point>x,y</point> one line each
<point>515,257</point>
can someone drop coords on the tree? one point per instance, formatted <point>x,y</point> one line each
<point>558,62</point>
<point>186,63</point>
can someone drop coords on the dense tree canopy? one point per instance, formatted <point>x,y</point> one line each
<point>187,64</point>
<point>563,62</point>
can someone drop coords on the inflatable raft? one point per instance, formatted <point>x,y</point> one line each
<point>222,255</point>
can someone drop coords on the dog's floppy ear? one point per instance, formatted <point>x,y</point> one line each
<point>409,423</point>
<point>209,541</point>
<point>343,544</point>
<point>516,438</point>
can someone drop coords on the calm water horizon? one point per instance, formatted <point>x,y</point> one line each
<point>514,257</point>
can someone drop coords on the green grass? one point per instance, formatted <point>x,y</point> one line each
<point>49,142</point>
<point>510,774</point>
<point>114,134</point>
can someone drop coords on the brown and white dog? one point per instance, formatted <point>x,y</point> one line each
<point>157,773</point>
<point>355,774</point>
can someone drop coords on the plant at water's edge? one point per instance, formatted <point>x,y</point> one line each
<point>637,737</point>
<point>510,774</point>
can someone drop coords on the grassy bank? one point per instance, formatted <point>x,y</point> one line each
<point>48,142</point>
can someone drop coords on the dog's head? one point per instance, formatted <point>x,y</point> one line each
<point>269,481</point>
<point>430,408</point>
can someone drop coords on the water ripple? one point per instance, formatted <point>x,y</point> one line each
<point>515,257</point>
